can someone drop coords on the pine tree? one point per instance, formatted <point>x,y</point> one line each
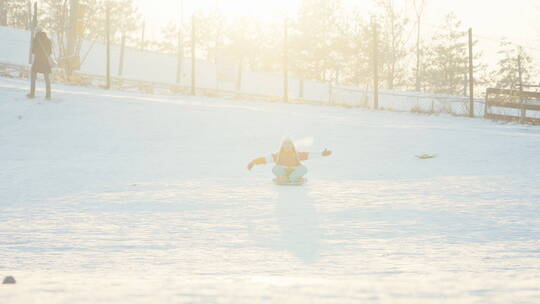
<point>447,58</point>
<point>169,41</point>
<point>357,50</point>
<point>507,73</point>
<point>241,41</point>
<point>317,33</point>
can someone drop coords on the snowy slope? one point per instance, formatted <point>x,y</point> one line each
<point>116,197</point>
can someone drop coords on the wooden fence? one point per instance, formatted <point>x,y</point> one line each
<point>512,105</point>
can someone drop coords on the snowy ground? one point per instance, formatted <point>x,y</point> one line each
<point>116,197</point>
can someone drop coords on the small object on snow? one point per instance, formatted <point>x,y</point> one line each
<point>288,182</point>
<point>326,152</point>
<point>20,117</point>
<point>9,280</point>
<point>426,156</point>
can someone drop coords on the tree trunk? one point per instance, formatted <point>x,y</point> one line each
<point>3,12</point>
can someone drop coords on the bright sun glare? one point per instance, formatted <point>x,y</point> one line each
<point>162,11</point>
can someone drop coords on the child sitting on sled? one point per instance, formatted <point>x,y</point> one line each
<point>289,167</point>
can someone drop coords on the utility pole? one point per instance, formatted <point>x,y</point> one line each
<point>520,75</point>
<point>375,59</point>
<point>72,34</point>
<point>142,35</point>
<point>465,84</point>
<point>32,22</point>
<point>193,55</point>
<point>285,61</point>
<point>180,51</point>
<point>217,51</point>
<point>179,56</point>
<point>418,57</point>
<point>108,39</point>
<point>239,75</point>
<point>471,75</point>
<point>419,10</point>
<point>121,60</point>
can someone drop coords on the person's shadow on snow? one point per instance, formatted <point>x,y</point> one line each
<point>299,223</point>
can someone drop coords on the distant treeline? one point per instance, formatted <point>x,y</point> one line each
<point>326,42</point>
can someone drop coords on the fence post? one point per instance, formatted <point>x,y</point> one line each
<point>193,55</point>
<point>471,75</point>
<point>285,62</point>
<point>375,56</point>
<point>108,39</point>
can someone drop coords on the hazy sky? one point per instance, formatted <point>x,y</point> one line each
<point>490,19</point>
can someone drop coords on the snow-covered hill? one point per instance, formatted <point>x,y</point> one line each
<point>116,197</point>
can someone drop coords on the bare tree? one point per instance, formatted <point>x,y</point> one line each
<point>314,43</point>
<point>356,49</point>
<point>3,13</point>
<point>419,6</point>
<point>15,13</point>
<point>393,39</point>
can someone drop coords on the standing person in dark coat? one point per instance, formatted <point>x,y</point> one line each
<point>41,49</point>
